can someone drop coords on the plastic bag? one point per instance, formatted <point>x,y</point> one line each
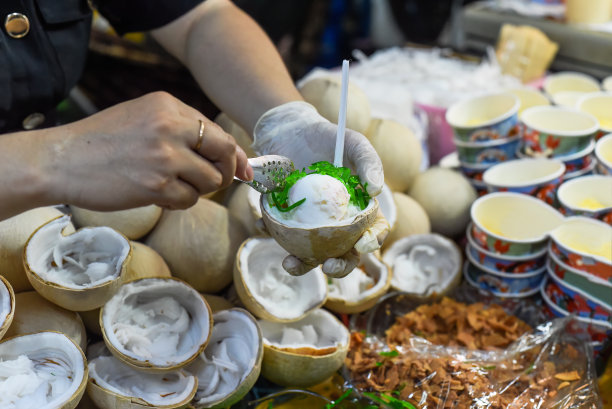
<point>547,367</point>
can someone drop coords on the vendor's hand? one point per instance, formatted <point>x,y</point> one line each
<point>296,130</point>
<point>144,151</point>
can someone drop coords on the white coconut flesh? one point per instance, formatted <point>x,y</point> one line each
<point>326,203</point>
<point>367,279</point>
<point>253,197</point>
<point>5,302</point>
<point>87,258</point>
<point>319,333</point>
<point>169,388</point>
<point>229,357</point>
<point>284,296</point>
<point>42,371</point>
<point>422,264</point>
<point>162,321</point>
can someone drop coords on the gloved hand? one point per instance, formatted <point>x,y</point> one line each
<point>296,130</point>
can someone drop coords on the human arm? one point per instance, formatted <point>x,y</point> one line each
<point>136,153</point>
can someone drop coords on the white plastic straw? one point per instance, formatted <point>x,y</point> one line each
<point>342,116</point>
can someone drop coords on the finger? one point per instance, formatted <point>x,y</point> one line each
<point>373,238</point>
<point>295,266</point>
<point>244,171</point>
<point>341,266</point>
<point>360,153</point>
<point>178,195</point>
<point>219,148</point>
<point>204,176</point>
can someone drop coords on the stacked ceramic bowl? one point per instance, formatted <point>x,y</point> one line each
<point>589,196</point>
<point>486,132</point>
<point>579,277</point>
<point>598,104</point>
<point>566,134</point>
<point>507,242</point>
<point>603,153</point>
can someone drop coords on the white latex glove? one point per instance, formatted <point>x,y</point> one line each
<point>296,130</point>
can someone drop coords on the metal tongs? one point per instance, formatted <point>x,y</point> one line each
<point>269,172</point>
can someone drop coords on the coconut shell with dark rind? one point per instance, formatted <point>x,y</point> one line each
<point>314,245</point>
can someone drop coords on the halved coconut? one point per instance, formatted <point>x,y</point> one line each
<point>199,244</point>
<point>305,352</point>
<point>424,264</point>
<point>44,370</point>
<point>80,271</point>
<point>113,384</point>
<point>7,305</point>
<point>34,313</point>
<point>313,245</point>
<point>14,233</point>
<point>231,363</point>
<point>267,290</point>
<point>361,289</point>
<point>243,204</point>
<point>132,223</point>
<point>156,324</point>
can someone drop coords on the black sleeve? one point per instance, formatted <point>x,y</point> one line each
<point>142,15</point>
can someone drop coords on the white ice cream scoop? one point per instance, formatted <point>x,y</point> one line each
<point>326,202</point>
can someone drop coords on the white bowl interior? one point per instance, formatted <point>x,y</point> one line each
<point>587,193</point>
<point>482,110</point>
<point>600,106</point>
<point>586,236</point>
<point>557,120</point>
<point>515,216</point>
<point>603,150</point>
<point>567,99</point>
<point>523,172</point>
<point>607,84</point>
<point>529,97</point>
<point>570,81</point>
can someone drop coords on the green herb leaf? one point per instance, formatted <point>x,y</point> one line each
<point>271,405</point>
<point>340,399</point>
<point>488,368</point>
<point>390,402</point>
<point>389,354</point>
<point>379,364</point>
<point>530,369</point>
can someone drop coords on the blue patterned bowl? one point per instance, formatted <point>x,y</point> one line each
<point>500,284</point>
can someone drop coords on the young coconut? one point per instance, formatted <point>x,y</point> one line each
<point>217,303</point>
<point>132,223</point>
<point>267,290</point>
<point>243,204</point>
<point>14,232</point>
<point>320,214</point>
<point>44,370</point>
<point>7,306</point>
<point>424,264</point>
<point>80,271</point>
<point>305,352</point>
<point>199,244</point>
<point>230,365</point>
<point>113,384</point>
<point>361,289</point>
<point>411,219</point>
<point>324,94</point>
<point>156,324</point>
<point>34,313</point>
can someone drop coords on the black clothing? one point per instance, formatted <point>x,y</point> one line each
<point>38,70</point>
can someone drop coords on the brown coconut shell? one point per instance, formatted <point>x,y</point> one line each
<point>82,299</point>
<point>14,233</point>
<point>316,244</point>
<point>199,244</point>
<point>4,326</point>
<point>132,223</point>
<point>35,314</point>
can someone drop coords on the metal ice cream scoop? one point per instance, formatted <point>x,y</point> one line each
<point>269,172</point>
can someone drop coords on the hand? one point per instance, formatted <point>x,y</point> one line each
<point>143,152</point>
<point>296,130</point>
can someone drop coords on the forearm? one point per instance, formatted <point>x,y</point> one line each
<point>233,60</point>
<point>24,183</point>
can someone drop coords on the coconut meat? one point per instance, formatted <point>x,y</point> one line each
<point>366,279</point>
<point>319,330</point>
<point>5,302</point>
<point>282,295</point>
<point>87,258</point>
<point>422,264</point>
<point>161,321</point>
<point>229,358</point>
<point>169,388</point>
<point>327,203</point>
<point>41,371</point>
